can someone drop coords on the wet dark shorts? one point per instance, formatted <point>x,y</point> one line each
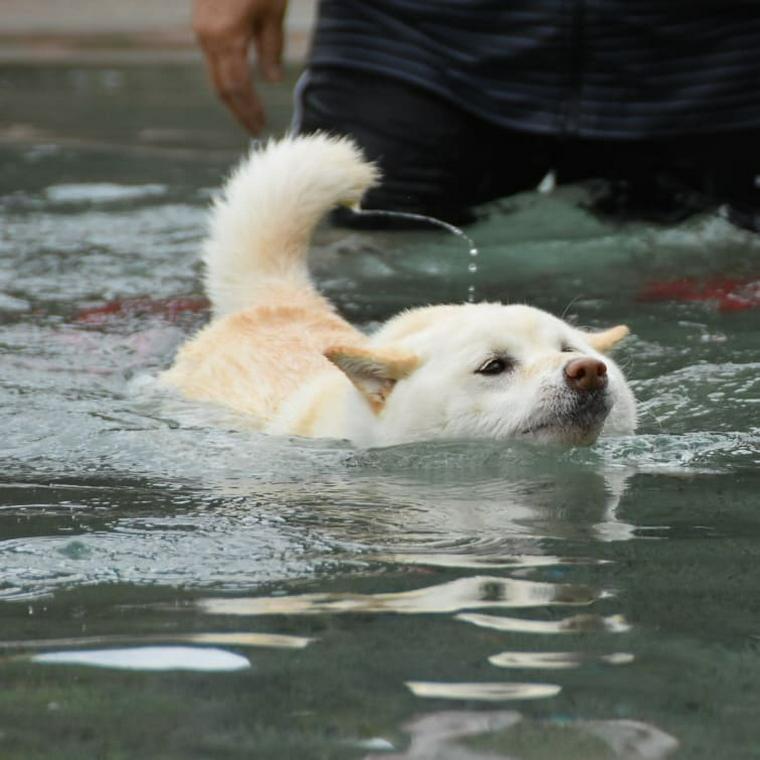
<point>439,160</point>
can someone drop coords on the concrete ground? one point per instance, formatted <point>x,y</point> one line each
<point>118,30</point>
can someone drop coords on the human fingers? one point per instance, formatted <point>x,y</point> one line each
<point>268,39</point>
<point>231,75</point>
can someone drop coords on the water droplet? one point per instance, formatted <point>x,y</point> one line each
<point>472,249</point>
<point>420,218</point>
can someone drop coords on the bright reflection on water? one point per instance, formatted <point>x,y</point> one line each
<point>383,599</point>
<point>475,592</point>
<point>572,624</point>
<point>206,659</point>
<point>475,735</point>
<point>488,692</point>
<point>553,660</point>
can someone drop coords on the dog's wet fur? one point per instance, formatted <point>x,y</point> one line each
<point>277,352</point>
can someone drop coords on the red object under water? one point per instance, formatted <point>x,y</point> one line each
<point>729,294</point>
<point>170,308</point>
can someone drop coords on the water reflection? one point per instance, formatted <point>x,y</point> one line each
<point>484,692</point>
<point>475,592</point>
<point>556,660</point>
<point>573,624</point>
<point>237,639</point>
<point>508,735</point>
<point>101,192</point>
<point>235,531</point>
<point>477,561</point>
<point>204,659</point>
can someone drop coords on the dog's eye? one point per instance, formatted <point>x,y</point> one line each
<point>567,349</point>
<point>495,366</point>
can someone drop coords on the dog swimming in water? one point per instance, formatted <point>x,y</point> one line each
<point>277,352</point>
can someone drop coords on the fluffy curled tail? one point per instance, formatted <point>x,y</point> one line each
<point>262,223</point>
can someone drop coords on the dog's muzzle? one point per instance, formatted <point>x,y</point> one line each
<point>581,407</point>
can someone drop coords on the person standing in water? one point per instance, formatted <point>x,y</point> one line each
<point>465,102</point>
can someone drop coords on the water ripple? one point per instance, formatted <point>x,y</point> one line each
<point>483,692</point>
<point>474,592</point>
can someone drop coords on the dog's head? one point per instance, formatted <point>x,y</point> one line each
<point>489,371</point>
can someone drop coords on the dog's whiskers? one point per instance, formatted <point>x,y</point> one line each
<point>569,306</point>
<point>649,413</point>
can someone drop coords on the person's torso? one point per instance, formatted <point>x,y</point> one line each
<point>589,68</point>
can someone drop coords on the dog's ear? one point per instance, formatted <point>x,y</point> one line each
<point>374,372</point>
<point>605,341</point>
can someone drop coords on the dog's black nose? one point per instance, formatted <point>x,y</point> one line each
<point>586,374</point>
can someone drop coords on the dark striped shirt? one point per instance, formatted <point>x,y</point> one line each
<point>622,69</point>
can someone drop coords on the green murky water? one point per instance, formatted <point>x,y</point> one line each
<point>173,588</point>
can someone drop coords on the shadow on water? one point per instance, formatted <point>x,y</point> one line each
<point>174,585</point>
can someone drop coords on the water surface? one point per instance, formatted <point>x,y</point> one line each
<point>173,586</point>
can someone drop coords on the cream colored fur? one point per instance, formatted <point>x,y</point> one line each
<point>278,353</point>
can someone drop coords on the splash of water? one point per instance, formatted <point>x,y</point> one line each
<point>472,267</point>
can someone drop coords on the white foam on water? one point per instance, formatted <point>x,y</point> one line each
<point>101,192</point>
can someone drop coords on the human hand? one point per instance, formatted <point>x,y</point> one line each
<point>225,29</point>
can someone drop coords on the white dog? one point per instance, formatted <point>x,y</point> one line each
<point>277,352</point>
